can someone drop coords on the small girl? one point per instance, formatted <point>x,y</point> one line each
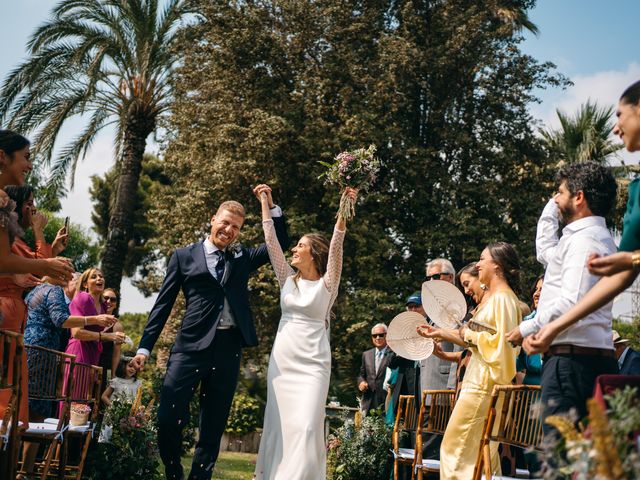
<point>124,385</point>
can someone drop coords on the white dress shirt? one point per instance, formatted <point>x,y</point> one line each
<point>567,278</point>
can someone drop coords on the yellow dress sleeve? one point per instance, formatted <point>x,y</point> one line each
<point>493,348</point>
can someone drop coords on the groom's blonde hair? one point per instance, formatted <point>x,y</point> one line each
<point>232,206</point>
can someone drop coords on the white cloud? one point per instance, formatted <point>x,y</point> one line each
<point>603,87</point>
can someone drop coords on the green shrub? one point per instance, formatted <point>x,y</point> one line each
<point>245,415</point>
<point>360,452</point>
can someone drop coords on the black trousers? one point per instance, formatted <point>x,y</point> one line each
<point>568,382</point>
<point>215,370</point>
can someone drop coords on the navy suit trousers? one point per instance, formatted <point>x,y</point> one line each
<point>215,370</point>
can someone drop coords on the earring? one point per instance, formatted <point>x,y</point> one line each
<point>483,287</point>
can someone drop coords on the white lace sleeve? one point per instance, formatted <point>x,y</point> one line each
<point>280,265</point>
<point>334,264</point>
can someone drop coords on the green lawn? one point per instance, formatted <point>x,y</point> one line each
<point>230,466</point>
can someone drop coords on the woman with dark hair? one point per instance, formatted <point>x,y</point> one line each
<point>15,158</point>
<point>110,356</point>
<point>15,164</point>
<point>473,289</point>
<point>13,287</point>
<point>86,340</point>
<point>292,444</point>
<point>493,360</point>
<point>619,269</point>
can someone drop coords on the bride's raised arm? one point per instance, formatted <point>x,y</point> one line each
<point>334,263</point>
<point>280,266</point>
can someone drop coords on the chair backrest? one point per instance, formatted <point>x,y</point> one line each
<point>51,377</point>
<point>514,417</point>
<point>87,384</point>
<point>406,418</point>
<point>440,409</point>
<point>10,374</point>
<point>10,343</point>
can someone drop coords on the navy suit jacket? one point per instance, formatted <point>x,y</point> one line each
<point>631,364</point>
<point>204,295</point>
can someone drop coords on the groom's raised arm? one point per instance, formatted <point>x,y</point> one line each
<point>162,307</point>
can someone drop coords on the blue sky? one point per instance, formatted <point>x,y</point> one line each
<point>593,42</point>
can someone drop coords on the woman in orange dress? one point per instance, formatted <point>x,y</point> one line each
<point>12,287</point>
<point>15,164</point>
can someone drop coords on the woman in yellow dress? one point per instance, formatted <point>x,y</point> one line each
<point>493,361</point>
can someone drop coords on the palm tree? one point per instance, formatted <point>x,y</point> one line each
<point>583,136</point>
<point>513,14</point>
<point>108,61</point>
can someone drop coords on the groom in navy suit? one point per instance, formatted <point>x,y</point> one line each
<point>213,276</point>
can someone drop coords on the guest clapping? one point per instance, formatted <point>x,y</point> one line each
<point>49,315</point>
<point>86,341</point>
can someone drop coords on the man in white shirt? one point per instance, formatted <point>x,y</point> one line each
<point>586,193</point>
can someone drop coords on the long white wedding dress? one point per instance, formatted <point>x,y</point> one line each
<point>292,446</point>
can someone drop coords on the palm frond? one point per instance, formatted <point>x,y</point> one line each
<point>67,160</point>
<point>103,59</point>
<point>585,135</point>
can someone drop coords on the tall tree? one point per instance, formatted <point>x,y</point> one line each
<point>109,61</point>
<point>103,195</point>
<point>441,88</point>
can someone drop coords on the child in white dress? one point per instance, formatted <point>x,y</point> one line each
<point>124,384</point>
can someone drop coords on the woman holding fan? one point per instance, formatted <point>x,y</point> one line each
<point>493,361</point>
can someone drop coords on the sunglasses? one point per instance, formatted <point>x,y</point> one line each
<point>436,276</point>
<point>110,299</point>
<point>378,335</point>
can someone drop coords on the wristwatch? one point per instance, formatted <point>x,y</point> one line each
<point>635,259</point>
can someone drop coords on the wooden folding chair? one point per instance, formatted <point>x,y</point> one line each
<point>514,419</point>
<point>406,424</point>
<point>10,341</point>
<point>433,420</point>
<point>50,383</point>
<point>87,386</point>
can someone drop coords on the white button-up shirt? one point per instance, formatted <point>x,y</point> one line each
<point>567,278</point>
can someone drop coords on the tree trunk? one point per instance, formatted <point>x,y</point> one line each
<point>121,222</point>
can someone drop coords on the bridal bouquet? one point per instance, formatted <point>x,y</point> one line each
<point>355,169</point>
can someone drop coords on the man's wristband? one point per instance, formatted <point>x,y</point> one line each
<point>85,321</point>
<point>635,260</point>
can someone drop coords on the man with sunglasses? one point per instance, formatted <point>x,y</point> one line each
<point>373,369</point>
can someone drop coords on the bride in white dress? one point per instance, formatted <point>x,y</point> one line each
<point>292,445</point>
